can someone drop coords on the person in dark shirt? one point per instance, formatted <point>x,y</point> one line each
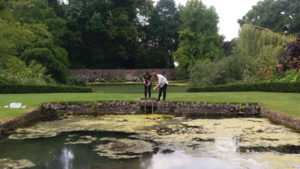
<point>147,84</point>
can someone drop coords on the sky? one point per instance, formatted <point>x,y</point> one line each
<point>229,12</point>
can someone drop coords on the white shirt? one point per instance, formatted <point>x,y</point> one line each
<point>162,80</point>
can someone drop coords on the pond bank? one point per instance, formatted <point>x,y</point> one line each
<point>149,107</point>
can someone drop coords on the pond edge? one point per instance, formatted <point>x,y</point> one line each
<point>148,107</point>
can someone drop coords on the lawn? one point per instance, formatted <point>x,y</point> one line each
<point>285,102</point>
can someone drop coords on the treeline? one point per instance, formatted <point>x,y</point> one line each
<point>41,39</point>
<point>265,51</point>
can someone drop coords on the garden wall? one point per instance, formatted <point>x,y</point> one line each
<point>281,118</point>
<point>127,74</point>
<point>151,107</point>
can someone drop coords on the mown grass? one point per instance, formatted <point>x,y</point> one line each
<point>285,102</point>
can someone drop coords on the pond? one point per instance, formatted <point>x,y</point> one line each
<point>151,142</point>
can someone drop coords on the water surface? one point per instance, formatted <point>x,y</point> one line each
<point>151,142</point>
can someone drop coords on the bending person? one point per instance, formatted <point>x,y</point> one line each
<point>147,84</point>
<point>162,84</point>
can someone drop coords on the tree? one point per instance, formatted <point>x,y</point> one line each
<point>290,59</point>
<point>162,31</point>
<point>14,37</point>
<point>260,48</point>
<point>35,36</point>
<point>199,39</point>
<point>253,58</point>
<point>277,15</point>
<point>103,34</point>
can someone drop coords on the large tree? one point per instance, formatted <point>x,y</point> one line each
<point>15,38</point>
<point>103,34</point>
<point>162,31</point>
<point>199,39</point>
<point>277,15</point>
<point>35,36</point>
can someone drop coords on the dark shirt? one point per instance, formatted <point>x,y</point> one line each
<point>147,78</point>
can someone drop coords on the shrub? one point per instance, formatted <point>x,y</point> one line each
<point>227,70</point>
<point>266,87</point>
<point>290,76</point>
<point>5,89</point>
<point>260,47</point>
<point>15,71</point>
<point>75,81</point>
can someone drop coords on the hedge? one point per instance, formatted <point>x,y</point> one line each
<point>264,87</point>
<point>6,89</point>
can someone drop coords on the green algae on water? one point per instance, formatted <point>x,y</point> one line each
<point>123,148</point>
<point>216,138</point>
<point>7,163</point>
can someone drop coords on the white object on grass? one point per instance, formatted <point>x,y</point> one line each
<point>15,105</point>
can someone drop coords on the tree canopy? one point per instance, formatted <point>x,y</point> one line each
<point>277,15</point>
<point>56,36</point>
<point>199,39</point>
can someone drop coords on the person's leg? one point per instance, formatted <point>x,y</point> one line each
<point>145,91</point>
<point>149,90</point>
<point>165,92</point>
<point>159,93</point>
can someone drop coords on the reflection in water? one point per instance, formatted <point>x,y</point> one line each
<point>180,160</point>
<point>66,158</point>
<point>174,143</point>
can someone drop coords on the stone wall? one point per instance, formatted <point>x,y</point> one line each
<point>21,121</point>
<point>150,107</point>
<point>281,118</point>
<point>127,74</point>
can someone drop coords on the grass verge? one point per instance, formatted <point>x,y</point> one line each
<point>284,102</point>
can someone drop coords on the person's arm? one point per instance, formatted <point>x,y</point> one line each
<point>150,80</point>
<point>144,80</point>
<point>156,86</point>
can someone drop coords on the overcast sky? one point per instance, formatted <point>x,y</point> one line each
<point>229,12</point>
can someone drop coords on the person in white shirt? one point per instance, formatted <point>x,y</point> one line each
<point>162,84</point>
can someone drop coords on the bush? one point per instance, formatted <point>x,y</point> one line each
<point>264,87</point>
<point>15,71</point>
<point>5,89</point>
<point>260,48</point>
<point>75,81</point>
<point>227,70</point>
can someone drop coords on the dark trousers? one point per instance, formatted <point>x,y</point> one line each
<point>147,90</point>
<point>164,91</point>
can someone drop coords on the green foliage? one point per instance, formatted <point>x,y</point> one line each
<point>42,89</point>
<point>266,87</point>
<point>103,34</point>
<point>290,76</point>
<point>74,81</point>
<point>277,15</point>
<point>161,34</point>
<point>253,59</point>
<point>227,70</point>
<point>260,48</point>
<point>47,28</point>
<point>199,39</point>
<point>30,30</point>
<point>15,71</point>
